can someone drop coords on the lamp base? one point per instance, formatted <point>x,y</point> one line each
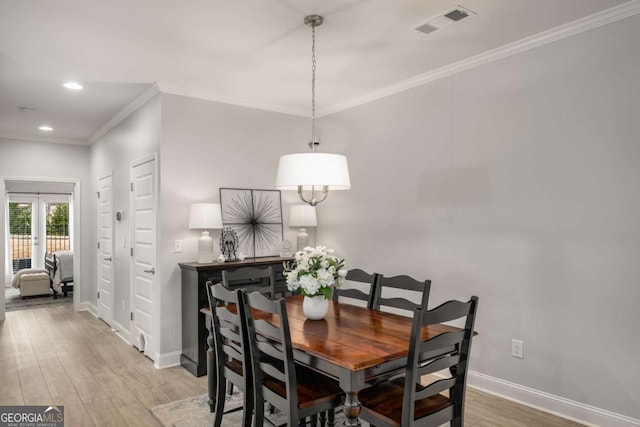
<point>205,248</point>
<point>303,239</point>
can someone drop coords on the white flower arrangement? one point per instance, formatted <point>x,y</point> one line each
<point>314,271</point>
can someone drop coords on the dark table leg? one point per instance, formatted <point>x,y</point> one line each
<point>351,409</point>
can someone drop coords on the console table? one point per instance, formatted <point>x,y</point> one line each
<point>194,297</point>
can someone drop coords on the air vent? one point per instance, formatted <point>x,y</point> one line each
<point>444,19</point>
<point>457,14</point>
<point>426,28</point>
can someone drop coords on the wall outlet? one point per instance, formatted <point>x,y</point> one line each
<point>516,348</point>
<point>177,246</point>
<point>123,309</point>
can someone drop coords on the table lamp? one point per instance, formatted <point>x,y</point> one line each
<point>302,216</point>
<point>205,216</point>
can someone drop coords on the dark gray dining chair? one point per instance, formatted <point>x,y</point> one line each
<point>360,276</point>
<point>297,392</point>
<point>406,401</point>
<point>232,354</point>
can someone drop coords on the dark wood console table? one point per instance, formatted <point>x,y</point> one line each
<point>194,297</point>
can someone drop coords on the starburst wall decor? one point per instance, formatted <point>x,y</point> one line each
<point>256,218</point>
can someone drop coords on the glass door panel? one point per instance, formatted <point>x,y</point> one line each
<point>23,245</point>
<point>57,226</point>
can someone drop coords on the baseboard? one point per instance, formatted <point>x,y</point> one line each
<point>121,332</point>
<point>87,306</point>
<point>565,408</point>
<point>167,360</point>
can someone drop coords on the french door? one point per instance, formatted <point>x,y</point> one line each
<point>37,224</point>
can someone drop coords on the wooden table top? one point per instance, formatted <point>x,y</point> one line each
<point>350,336</point>
<point>354,337</point>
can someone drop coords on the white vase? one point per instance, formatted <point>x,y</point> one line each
<point>315,308</point>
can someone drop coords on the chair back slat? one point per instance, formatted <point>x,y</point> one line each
<point>270,348</point>
<point>435,388</point>
<point>273,371</point>
<point>251,279</point>
<point>446,339</point>
<point>446,312</point>
<point>438,365</point>
<point>266,329</point>
<point>400,285</point>
<point>360,276</point>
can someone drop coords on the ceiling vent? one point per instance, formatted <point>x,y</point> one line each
<point>444,19</point>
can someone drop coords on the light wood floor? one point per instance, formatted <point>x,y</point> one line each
<point>56,356</point>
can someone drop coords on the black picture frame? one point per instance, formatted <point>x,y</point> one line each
<point>256,217</point>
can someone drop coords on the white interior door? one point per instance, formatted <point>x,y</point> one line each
<point>105,248</point>
<point>143,200</point>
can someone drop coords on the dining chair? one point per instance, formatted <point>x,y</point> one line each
<point>296,391</point>
<point>251,279</point>
<point>406,401</point>
<point>232,356</point>
<point>360,276</point>
<point>401,285</point>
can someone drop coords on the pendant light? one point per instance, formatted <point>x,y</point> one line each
<point>313,173</point>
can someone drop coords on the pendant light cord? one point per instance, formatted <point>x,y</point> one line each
<point>313,88</point>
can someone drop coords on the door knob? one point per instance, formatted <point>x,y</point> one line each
<point>107,259</point>
<point>152,271</point>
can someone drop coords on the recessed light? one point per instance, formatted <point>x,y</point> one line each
<point>73,86</point>
<point>45,128</point>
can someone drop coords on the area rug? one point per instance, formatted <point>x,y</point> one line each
<point>194,412</point>
<point>13,301</point>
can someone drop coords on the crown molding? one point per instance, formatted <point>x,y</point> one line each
<point>566,30</point>
<point>224,99</point>
<point>39,138</point>
<point>138,102</point>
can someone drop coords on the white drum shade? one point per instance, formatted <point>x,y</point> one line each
<point>302,216</point>
<point>206,216</point>
<point>313,169</point>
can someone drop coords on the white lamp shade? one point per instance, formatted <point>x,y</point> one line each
<point>303,216</point>
<point>206,216</point>
<point>313,169</point>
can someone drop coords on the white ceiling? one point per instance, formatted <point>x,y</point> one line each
<point>250,52</point>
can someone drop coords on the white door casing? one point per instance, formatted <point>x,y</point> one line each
<point>143,241</point>
<point>105,248</point>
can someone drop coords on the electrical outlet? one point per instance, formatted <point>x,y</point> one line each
<point>516,348</point>
<point>123,305</point>
<point>177,246</point>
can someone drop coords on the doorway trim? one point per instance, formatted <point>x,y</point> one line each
<point>77,255</point>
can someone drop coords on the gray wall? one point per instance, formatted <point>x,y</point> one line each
<point>38,160</point>
<point>205,146</point>
<point>518,182</point>
<point>134,138</point>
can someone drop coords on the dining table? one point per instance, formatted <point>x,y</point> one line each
<point>353,345</point>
